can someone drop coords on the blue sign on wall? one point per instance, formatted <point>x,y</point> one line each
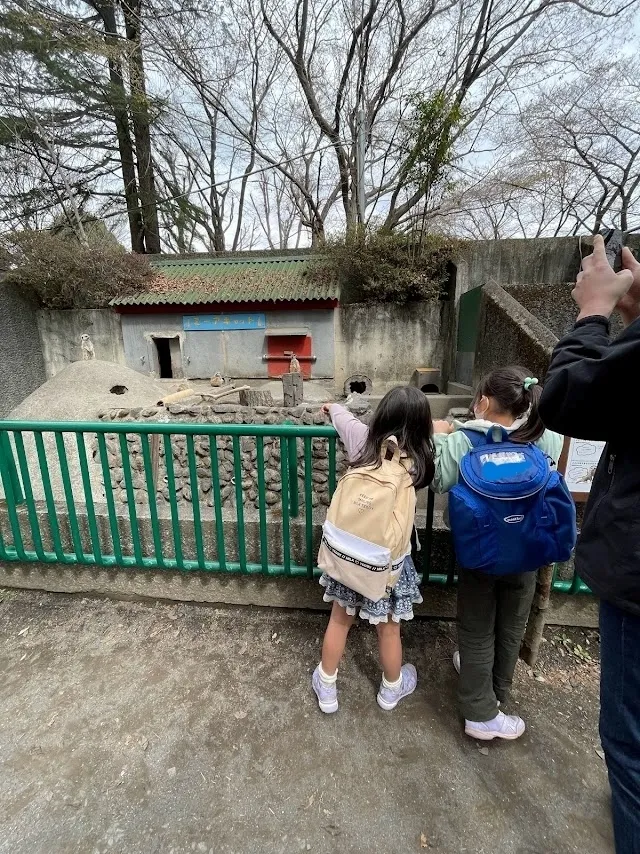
<point>221,322</point>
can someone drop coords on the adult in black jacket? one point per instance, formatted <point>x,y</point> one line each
<point>588,392</point>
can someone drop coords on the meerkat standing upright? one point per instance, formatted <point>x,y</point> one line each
<point>86,345</point>
<point>294,366</point>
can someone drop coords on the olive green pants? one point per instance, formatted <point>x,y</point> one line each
<point>492,616</point>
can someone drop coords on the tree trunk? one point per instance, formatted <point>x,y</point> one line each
<point>537,618</point>
<point>118,104</point>
<point>132,10</point>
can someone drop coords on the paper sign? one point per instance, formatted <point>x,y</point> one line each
<point>579,460</point>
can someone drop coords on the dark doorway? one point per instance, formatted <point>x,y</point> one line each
<point>357,387</point>
<point>163,352</point>
<point>430,388</point>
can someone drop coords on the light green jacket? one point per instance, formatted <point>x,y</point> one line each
<point>452,447</point>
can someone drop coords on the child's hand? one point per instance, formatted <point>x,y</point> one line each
<point>442,427</point>
<point>325,408</point>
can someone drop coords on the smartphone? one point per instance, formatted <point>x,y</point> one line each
<point>613,243</point>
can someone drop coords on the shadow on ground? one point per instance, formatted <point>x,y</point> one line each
<point>128,727</point>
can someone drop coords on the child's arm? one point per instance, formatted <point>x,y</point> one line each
<point>352,432</point>
<point>450,449</point>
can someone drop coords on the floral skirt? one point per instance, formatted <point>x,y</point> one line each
<point>398,606</point>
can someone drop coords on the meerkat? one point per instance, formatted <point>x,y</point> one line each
<point>86,345</point>
<point>294,366</point>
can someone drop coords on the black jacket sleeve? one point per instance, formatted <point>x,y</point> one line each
<point>588,378</point>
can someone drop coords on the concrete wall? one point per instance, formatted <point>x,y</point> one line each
<point>508,262</point>
<point>60,333</point>
<point>508,334</point>
<point>538,272</point>
<point>235,353</point>
<point>23,367</point>
<point>388,341</point>
<point>547,259</point>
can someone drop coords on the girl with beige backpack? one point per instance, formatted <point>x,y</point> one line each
<point>365,553</point>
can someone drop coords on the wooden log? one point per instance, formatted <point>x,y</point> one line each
<point>255,397</point>
<point>220,394</point>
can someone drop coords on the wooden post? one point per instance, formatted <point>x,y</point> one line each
<point>537,617</point>
<point>292,389</point>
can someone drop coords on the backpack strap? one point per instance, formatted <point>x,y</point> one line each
<point>495,435</point>
<point>390,444</point>
<point>475,437</point>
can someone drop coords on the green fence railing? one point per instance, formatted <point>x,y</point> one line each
<point>175,496</point>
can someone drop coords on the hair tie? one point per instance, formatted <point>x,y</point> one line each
<point>529,381</point>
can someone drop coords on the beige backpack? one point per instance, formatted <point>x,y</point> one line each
<point>367,533</point>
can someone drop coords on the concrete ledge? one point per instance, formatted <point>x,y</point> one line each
<point>223,589</point>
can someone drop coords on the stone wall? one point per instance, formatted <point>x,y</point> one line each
<point>222,414</point>
<point>20,353</point>
<point>509,334</point>
<point>553,305</point>
<point>535,271</point>
<point>515,262</point>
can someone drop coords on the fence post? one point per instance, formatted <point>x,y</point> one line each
<point>292,461</point>
<point>8,463</point>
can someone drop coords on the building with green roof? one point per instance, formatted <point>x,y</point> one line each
<point>242,315</point>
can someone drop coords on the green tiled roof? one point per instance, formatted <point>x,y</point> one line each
<point>203,280</point>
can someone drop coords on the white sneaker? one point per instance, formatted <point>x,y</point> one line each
<point>504,726</point>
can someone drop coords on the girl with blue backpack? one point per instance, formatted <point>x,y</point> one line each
<point>510,514</point>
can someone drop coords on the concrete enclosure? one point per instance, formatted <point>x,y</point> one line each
<point>60,333</point>
<point>388,341</point>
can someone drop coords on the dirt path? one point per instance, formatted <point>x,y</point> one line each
<point>143,728</point>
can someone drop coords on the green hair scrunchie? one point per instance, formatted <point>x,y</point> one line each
<point>529,381</point>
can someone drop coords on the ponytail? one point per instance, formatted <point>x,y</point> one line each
<point>515,392</point>
<point>533,428</point>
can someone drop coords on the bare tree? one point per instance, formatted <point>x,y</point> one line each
<point>566,162</point>
<point>591,127</point>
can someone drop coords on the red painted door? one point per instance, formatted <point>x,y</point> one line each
<point>279,349</point>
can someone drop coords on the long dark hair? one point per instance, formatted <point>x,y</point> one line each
<point>403,412</point>
<point>506,388</point>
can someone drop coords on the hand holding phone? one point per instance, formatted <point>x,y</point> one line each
<point>613,243</point>
<point>598,288</point>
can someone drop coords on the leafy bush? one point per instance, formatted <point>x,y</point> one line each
<point>386,267</point>
<point>61,273</point>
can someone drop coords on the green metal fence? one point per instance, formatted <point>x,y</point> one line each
<point>59,500</point>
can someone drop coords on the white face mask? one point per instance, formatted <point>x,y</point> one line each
<point>480,411</point>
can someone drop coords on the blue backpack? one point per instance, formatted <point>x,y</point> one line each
<point>510,511</point>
